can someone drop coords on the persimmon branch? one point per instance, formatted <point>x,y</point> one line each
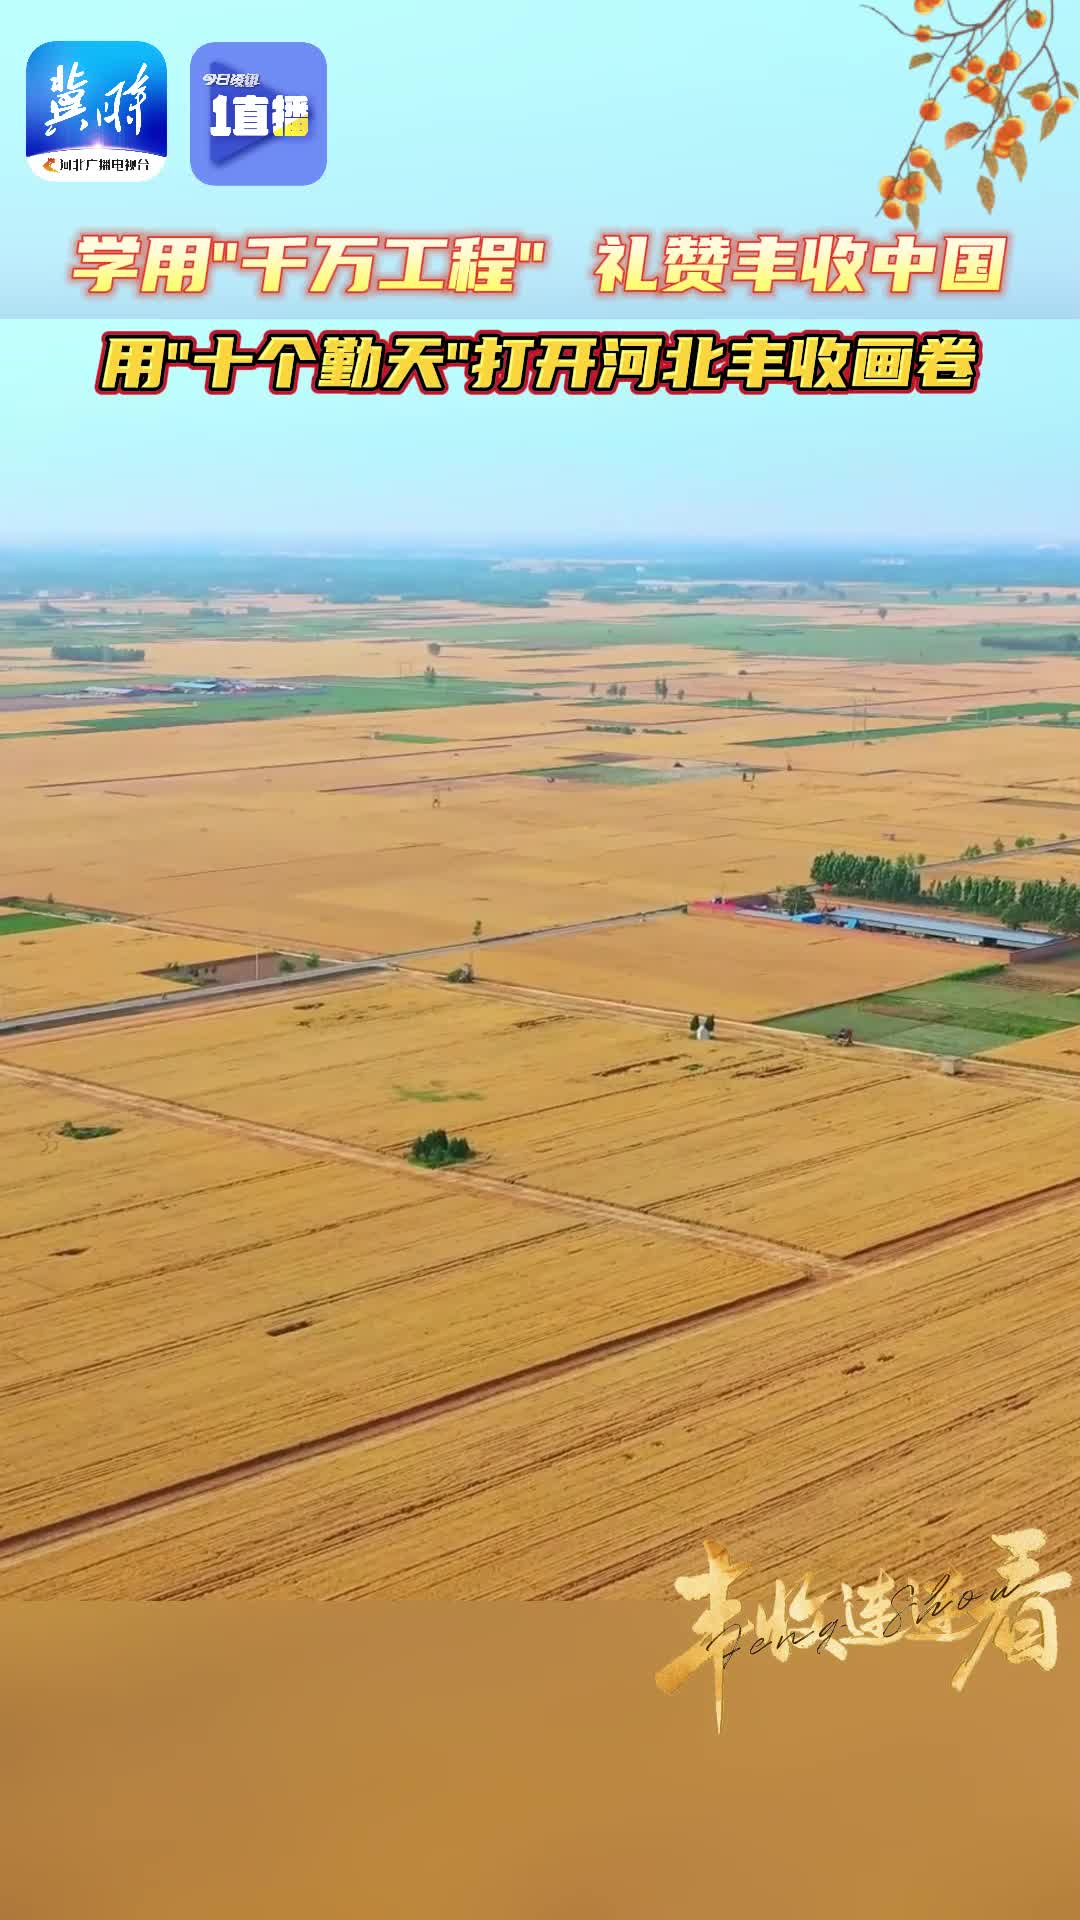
<point>997,82</point>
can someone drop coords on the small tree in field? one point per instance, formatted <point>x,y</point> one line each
<point>437,1149</point>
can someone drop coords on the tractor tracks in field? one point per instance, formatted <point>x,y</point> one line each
<point>34,1542</point>
<point>38,1540</point>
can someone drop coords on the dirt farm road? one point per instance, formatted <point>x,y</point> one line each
<point>311,977</point>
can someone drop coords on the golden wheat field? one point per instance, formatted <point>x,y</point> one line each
<point>47,720</point>
<point>800,1147</point>
<point>716,963</point>
<point>887,1420</point>
<point>82,965</point>
<point>281,1297</point>
<point>380,871</point>
<point>1059,1051</point>
<point>1005,756</point>
<point>822,1303</point>
<point>1051,862</point>
<point>377,1065</point>
<point>341,855</point>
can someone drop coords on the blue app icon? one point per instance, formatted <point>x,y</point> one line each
<point>96,110</point>
<point>258,113</point>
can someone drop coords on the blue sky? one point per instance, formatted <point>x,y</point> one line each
<point>1000,463</point>
<point>560,122</point>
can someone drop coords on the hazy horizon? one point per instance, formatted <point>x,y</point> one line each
<point>599,549</point>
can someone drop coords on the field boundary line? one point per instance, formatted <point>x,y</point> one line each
<point>781,1037</point>
<point>498,743</point>
<point>975,1225</point>
<point>284,983</point>
<point>1040,1082</point>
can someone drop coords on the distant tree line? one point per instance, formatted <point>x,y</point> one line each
<point>361,577</point>
<point>68,650</point>
<point>873,878</point>
<point>1039,900</point>
<point>1050,643</point>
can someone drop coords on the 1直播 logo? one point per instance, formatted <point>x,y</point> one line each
<point>95,110</point>
<point>258,113</point>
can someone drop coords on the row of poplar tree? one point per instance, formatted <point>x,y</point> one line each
<point>1042,901</point>
<point>869,874</point>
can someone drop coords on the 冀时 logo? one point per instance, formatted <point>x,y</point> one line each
<point>258,113</point>
<point>96,110</point>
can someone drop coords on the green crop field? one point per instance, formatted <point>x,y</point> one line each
<point>963,1014</point>
<point>885,640</point>
<point>510,627</point>
<point>597,773</point>
<point>415,739</point>
<point>961,723</point>
<point>356,696</point>
<point>32,922</point>
<point>435,1096</point>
